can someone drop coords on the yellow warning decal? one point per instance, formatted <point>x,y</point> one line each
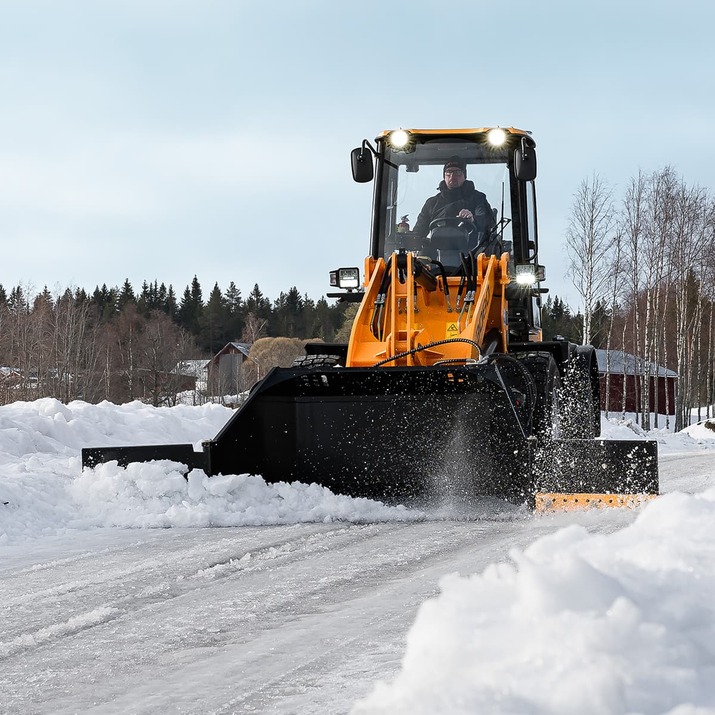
<point>451,330</point>
<point>546,502</point>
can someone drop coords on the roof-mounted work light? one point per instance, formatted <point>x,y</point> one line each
<point>400,140</point>
<point>496,137</point>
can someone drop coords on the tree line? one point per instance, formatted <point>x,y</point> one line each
<point>643,264</point>
<point>119,344</point>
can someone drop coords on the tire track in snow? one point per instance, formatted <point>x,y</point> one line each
<point>324,620</point>
<point>124,590</point>
<point>62,629</point>
<point>88,576</point>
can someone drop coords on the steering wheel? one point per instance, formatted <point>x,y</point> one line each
<point>453,222</point>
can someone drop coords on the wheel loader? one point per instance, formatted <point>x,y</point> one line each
<point>446,386</point>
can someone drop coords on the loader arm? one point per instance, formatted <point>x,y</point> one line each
<point>415,315</point>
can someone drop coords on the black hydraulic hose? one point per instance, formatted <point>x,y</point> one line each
<point>426,347</point>
<point>468,279</point>
<point>465,270</point>
<point>462,282</point>
<point>380,300</point>
<point>386,275</point>
<point>443,273</point>
<point>469,272</point>
<point>469,266</point>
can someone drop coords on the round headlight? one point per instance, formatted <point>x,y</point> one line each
<point>399,139</point>
<point>496,137</point>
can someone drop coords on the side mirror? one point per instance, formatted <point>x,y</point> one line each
<point>361,160</point>
<point>525,162</point>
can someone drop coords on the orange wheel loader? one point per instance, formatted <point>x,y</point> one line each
<point>446,385</point>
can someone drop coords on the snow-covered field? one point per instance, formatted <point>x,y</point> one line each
<point>310,602</point>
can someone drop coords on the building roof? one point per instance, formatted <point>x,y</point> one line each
<point>241,347</point>
<point>625,363</point>
<point>191,368</point>
<point>231,349</point>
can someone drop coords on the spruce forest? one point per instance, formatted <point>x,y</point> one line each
<point>119,344</point>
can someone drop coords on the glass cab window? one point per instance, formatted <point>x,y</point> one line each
<point>440,215</point>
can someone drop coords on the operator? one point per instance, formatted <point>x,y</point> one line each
<point>458,198</point>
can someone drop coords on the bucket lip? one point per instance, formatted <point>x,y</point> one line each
<point>453,379</point>
<point>479,367</point>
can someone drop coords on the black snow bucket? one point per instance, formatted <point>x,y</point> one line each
<point>385,433</point>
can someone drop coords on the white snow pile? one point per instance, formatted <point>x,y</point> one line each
<point>576,623</point>
<point>43,490</point>
<point>700,436</point>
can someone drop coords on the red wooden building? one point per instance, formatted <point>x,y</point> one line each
<point>626,376</point>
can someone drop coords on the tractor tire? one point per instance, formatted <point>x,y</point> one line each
<point>315,361</point>
<point>545,374</point>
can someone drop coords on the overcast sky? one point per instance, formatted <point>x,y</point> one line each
<point>158,139</point>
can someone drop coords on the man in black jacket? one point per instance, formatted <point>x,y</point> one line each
<point>458,198</point>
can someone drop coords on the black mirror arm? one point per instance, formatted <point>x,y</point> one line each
<point>365,146</point>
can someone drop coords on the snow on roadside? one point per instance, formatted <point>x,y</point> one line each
<point>43,490</point>
<point>700,436</point>
<point>577,622</point>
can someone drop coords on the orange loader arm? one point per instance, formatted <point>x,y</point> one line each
<point>413,315</point>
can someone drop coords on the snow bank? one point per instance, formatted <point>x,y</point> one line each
<point>157,495</point>
<point>43,490</point>
<point>618,623</point>
<point>702,431</point>
<point>697,436</point>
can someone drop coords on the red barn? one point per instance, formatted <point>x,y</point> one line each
<point>626,375</point>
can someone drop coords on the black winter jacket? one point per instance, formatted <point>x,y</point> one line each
<point>449,202</point>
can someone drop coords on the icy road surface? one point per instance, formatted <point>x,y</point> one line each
<point>287,619</point>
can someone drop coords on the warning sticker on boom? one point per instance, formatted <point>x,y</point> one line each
<point>451,330</point>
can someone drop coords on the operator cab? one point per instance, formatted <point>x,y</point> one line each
<point>409,168</point>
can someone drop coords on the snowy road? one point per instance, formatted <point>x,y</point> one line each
<point>287,619</point>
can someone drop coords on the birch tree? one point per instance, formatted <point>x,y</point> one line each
<point>589,242</point>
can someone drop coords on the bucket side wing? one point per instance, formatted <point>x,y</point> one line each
<point>573,473</point>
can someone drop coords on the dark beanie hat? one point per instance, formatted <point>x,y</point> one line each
<point>455,163</point>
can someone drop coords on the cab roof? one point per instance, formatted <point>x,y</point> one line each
<point>456,132</point>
